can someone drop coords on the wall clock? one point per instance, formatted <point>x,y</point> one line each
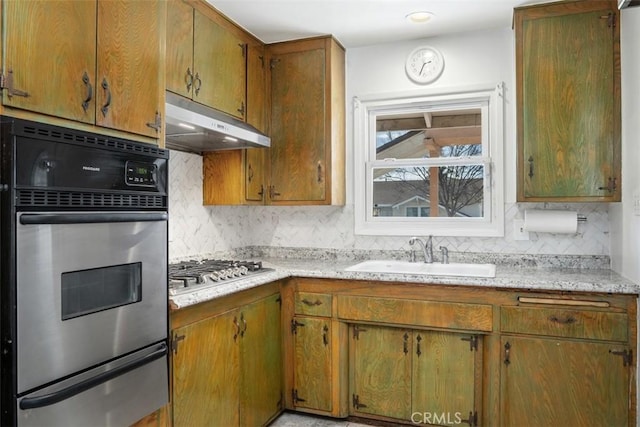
<point>424,64</point>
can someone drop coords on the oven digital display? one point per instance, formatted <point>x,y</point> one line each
<point>140,174</point>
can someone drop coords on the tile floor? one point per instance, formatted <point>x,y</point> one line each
<point>297,420</point>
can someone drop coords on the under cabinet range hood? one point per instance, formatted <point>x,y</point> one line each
<point>196,128</point>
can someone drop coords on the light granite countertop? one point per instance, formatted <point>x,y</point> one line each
<point>516,277</point>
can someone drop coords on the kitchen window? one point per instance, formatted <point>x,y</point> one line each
<point>430,164</point>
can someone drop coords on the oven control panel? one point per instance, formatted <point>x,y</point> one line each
<point>141,174</point>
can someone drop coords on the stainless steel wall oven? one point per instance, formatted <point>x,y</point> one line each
<point>83,297</point>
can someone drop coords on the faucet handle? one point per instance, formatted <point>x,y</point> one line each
<point>445,254</point>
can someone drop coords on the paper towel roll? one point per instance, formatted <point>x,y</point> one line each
<point>550,221</point>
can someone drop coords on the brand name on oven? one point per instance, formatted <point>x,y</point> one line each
<point>91,168</point>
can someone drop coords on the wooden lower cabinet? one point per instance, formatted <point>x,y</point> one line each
<point>227,368</point>
<point>312,385</point>
<point>549,381</point>
<point>417,376</point>
<point>206,372</point>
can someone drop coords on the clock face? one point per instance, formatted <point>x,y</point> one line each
<point>424,65</point>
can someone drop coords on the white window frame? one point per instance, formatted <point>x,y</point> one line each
<point>365,111</point>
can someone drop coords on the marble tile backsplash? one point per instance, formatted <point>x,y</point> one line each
<point>195,229</point>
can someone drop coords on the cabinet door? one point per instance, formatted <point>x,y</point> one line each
<point>447,372</point>
<point>312,360</point>
<point>179,48</point>
<point>220,67</point>
<point>560,382</point>
<point>256,117</point>
<point>206,374</point>
<point>381,371</point>
<point>50,54</point>
<point>260,362</point>
<point>129,66</point>
<point>569,102</point>
<point>298,157</point>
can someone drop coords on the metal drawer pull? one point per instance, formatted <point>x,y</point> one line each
<point>325,338</point>
<point>309,303</point>
<point>189,79</point>
<point>564,321</point>
<point>530,160</point>
<point>105,107</point>
<point>87,84</point>
<point>507,353</point>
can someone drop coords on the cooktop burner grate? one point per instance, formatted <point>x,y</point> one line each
<point>191,275</point>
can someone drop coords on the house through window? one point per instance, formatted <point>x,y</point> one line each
<point>430,165</point>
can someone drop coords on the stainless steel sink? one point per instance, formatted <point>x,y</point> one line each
<point>421,268</point>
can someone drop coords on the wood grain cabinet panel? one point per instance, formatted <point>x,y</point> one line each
<point>568,101</point>
<point>206,60</point>
<point>206,372</point>
<point>547,382</point>
<point>565,322</point>
<point>312,363</point>
<point>307,122</point>
<point>415,375</point>
<point>437,314</point>
<point>95,62</point>
<point>313,304</point>
<point>227,367</point>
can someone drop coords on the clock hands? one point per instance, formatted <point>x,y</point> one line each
<point>424,65</point>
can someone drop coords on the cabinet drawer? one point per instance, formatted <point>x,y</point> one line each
<point>436,314</point>
<point>559,322</point>
<point>313,304</point>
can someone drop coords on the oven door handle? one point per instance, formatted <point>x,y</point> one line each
<point>68,392</point>
<point>91,218</point>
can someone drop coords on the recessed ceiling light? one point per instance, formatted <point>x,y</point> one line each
<point>419,17</point>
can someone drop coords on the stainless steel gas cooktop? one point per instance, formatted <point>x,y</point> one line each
<point>189,276</point>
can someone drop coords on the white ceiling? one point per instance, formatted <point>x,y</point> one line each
<point>364,22</point>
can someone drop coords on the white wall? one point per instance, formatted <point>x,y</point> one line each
<point>471,59</point>
<point>625,223</point>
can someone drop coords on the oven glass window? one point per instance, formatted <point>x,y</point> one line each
<point>97,289</point>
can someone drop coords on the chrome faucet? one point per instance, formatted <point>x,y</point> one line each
<point>427,248</point>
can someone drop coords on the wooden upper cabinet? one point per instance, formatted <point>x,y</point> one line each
<point>568,101</point>
<point>179,51</point>
<point>50,48</point>
<point>129,83</point>
<point>307,122</point>
<point>206,58</point>
<point>91,62</point>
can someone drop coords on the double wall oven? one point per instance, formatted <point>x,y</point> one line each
<point>84,318</point>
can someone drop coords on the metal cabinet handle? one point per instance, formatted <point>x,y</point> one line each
<point>244,325</point>
<point>250,173</point>
<point>188,79</point>
<point>87,84</point>
<point>507,353</point>
<point>272,191</point>
<point>261,192</point>
<point>325,338</point>
<point>199,81</point>
<point>105,107</point>
<point>309,303</point>
<point>405,347</point>
<point>237,328</point>
<point>241,109</point>
<point>530,160</point>
<point>418,352</point>
<point>562,320</point>
<point>320,173</point>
